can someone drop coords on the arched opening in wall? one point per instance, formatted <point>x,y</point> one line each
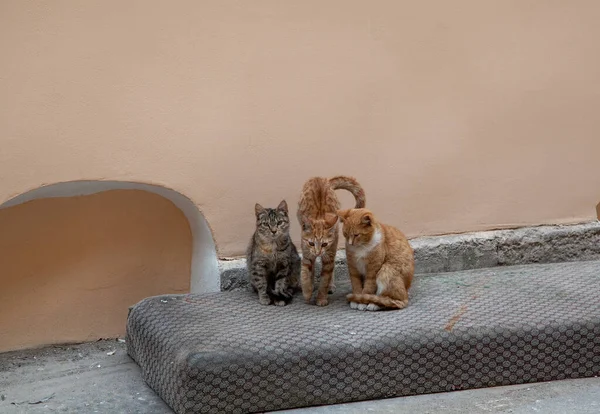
<point>76,255</point>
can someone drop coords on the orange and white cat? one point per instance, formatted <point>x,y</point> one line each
<point>380,262</point>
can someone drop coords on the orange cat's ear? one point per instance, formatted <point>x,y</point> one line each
<point>283,206</point>
<point>343,214</point>
<point>366,219</point>
<point>258,209</point>
<point>330,220</point>
<point>305,224</point>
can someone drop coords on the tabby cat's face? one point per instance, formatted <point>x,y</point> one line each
<point>272,223</point>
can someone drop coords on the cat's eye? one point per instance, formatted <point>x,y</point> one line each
<point>324,244</point>
<point>311,243</point>
<point>356,235</point>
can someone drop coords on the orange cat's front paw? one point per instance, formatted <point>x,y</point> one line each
<point>322,301</point>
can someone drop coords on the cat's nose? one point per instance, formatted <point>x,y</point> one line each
<point>273,231</point>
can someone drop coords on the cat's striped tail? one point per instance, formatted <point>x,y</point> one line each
<point>350,184</point>
<point>381,301</point>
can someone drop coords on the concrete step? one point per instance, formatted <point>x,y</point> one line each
<point>224,352</point>
<point>455,252</point>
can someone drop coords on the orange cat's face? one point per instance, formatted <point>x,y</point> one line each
<point>358,225</point>
<point>319,235</point>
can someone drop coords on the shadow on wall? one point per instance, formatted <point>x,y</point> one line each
<point>75,256</point>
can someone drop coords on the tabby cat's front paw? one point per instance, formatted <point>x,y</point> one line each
<point>264,300</point>
<point>279,303</point>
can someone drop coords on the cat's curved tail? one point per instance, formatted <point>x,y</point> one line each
<point>381,301</point>
<point>350,184</point>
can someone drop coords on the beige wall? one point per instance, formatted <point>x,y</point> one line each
<point>455,115</point>
<point>71,267</point>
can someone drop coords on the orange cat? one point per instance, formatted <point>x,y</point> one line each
<point>380,261</point>
<point>317,210</point>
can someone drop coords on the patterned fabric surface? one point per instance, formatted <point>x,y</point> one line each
<point>225,352</point>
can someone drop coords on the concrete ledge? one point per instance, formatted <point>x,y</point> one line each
<point>543,244</point>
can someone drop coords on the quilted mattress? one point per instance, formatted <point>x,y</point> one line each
<point>224,352</point>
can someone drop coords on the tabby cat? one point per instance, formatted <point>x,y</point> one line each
<point>272,259</point>
<point>380,261</point>
<point>320,232</point>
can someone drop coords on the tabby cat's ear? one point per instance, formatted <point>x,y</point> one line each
<point>283,206</point>
<point>330,220</point>
<point>366,219</point>
<point>258,209</point>
<point>343,214</point>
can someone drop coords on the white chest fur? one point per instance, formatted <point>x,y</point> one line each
<point>361,252</point>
